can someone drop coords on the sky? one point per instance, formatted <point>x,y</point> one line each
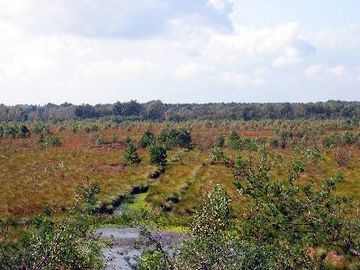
<point>96,51</point>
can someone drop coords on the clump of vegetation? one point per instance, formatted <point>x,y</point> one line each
<point>48,140</point>
<point>217,155</point>
<point>175,138</point>
<point>9,130</point>
<point>158,155</point>
<point>52,243</point>
<point>131,156</point>
<point>147,139</point>
<point>219,141</point>
<point>235,141</point>
<point>281,224</point>
<point>342,157</point>
<point>96,138</point>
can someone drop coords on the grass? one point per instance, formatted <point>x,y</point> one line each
<point>32,177</point>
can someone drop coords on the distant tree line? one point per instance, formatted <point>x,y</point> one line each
<point>158,111</point>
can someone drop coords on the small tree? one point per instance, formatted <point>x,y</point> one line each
<point>158,155</point>
<point>218,156</point>
<point>131,156</point>
<point>24,132</point>
<point>147,139</point>
<point>220,141</point>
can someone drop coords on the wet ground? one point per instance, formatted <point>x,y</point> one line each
<point>121,254</point>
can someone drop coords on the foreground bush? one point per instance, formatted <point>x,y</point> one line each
<point>55,243</point>
<point>284,226</point>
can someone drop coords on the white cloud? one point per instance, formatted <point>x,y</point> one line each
<point>267,45</point>
<point>217,4</point>
<point>193,69</point>
<point>69,47</point>
<point>289,57</point>
<point>89,18</point>
<point>240,79</point>
<point>126,68</point>
<point>320,71</point>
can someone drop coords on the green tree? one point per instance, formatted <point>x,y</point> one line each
<point>220,141</point>
<point>158,155</point>
<point>147,139</point>
<point>49,242</point>
<point>131,156</point>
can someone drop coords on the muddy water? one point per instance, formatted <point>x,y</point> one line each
<point>122,254</point>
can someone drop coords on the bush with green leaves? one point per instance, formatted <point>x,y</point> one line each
<point>158,155</point>
<point>147,139</point>
<point>40,128</point>
<point>13,130</point>
<point>235,141</point>
<point>131,156</point>
<point>49,140</point>
<point>175,138</point>
<point>96,138</point>
<point>286,219</point>
<point>51,242</point>
<point>218,155</point>
<point>219,141</point>
<point>281,224</point>
<point>24,132</point>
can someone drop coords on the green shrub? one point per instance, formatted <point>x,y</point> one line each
<point>96,138</point>
<point>175,138</point>
<point>55,243</point>
<point>234,141</point>
<point>147,139</point>
<point>219,141</point>
<point>49,140</point>
<point>217,155</point>
<point>131,156</point>
<point>158,155</point>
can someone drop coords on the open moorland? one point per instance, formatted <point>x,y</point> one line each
<point>33,175</point>
<point>82,189</point>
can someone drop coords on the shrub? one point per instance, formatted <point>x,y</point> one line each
<point>49,140</point>
<point>96,138</point>
<point>175,138</point>
<point>24,132</point>
<point>220,141</point>
<point>293,218</point>
<point>131,156</point>
<point>40,128</point>
<point>218,156</point>
<point>147,139</point>
<point>158,155</point>
<point>56,243</point>
<point>349,138</point>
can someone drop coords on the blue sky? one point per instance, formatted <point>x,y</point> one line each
<point>96,51</point>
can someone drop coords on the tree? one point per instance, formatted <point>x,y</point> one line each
<point>85,111</point>
<point>294,218</point>
<point>220,141</point>
<point>155,110</point>
<point>131,156</point>
<point>50,242</point>
<point>24,131</point>
<point>158,155</point>
<point>175,137</point>
<point>147,139</point>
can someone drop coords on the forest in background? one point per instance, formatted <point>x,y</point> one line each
<point>159,111</point>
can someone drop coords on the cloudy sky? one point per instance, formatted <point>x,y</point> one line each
<point>99,51</point>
